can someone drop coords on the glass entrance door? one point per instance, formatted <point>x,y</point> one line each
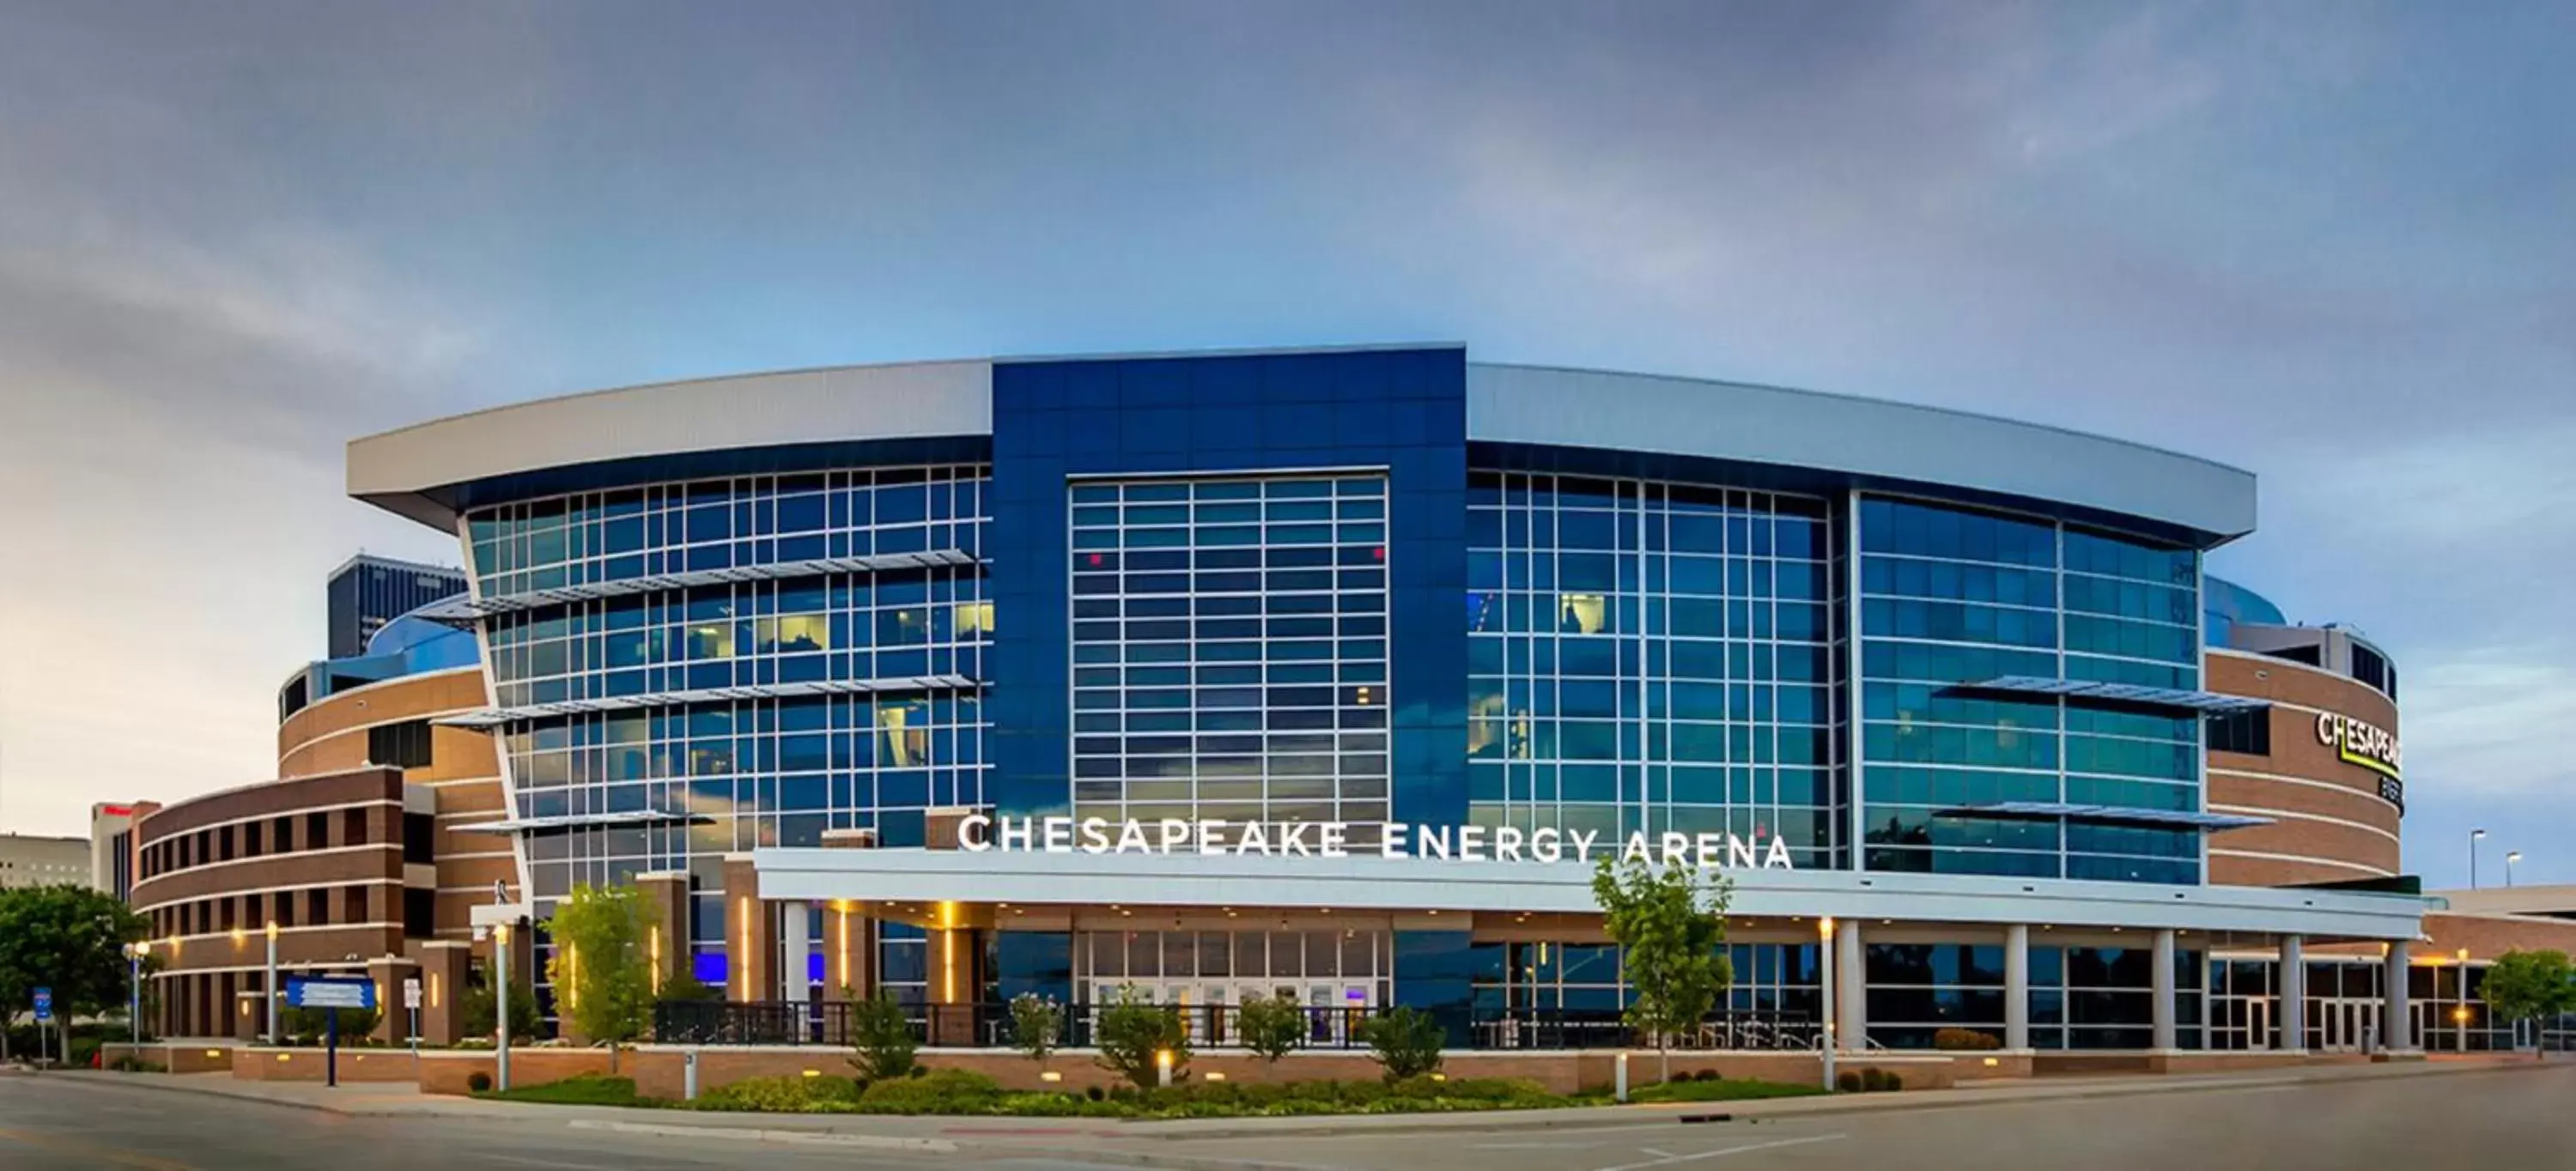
<point>2349,1023</point>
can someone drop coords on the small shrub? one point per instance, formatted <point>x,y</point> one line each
<point>1406,1041</point>
<point>1133,1034</point>
<point>1271,1026</point>
<point>1849,1081</point>
<point>782,1095</point>
<point>946,1091</point>
<point>478,1082</point>
<point>881,1033</point>
<point>1037,1023</point>
<point>1965,1039</point>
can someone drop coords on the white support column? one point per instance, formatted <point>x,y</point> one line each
<point>2164,989</point>
<point>795,948</point>
<point>2017,986</point>
<point>2397,1023</point>
<point>2290,1007</point>
<point>1851,999</point>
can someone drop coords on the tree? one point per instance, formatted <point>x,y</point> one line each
<point>881,1037</point>
<point>309,1025</point>
<point>602,967</point>
<point>2530,985</point>
<point>1037,1023</point>
<point>476,1010</point>
<point>1406,1041</point>
<point>1271,1026</point>
<point>1134,1037</point>
<point>1670,927</point>
<point>67,938</point>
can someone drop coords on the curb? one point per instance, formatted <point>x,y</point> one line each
<point>1617,1117</point>
<point>939,1146</point>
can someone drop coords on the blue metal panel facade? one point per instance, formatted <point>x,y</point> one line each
<point>1055,422</point>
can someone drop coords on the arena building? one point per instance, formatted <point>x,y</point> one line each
<point>1330,674</point>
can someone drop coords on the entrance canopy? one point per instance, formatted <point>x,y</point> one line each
<point>1370,883</point>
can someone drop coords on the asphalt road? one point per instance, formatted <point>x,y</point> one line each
<point>2518,1120</point>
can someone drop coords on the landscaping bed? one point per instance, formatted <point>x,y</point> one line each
<point>959,1092</point>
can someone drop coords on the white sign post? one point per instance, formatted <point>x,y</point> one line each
<point>411,1001</point>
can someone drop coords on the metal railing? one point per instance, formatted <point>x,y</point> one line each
<point>989,1025</point>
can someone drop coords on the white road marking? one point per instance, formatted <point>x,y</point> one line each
<point>525,1161</point>
<point>1723,1151</point>
<point>1656,1153</point>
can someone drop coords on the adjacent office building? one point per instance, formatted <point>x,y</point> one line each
<point>26,861</point>
<point>366,592</point>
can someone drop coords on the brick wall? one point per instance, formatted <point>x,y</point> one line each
<point>306,1065</point>
<point>2309,850</point>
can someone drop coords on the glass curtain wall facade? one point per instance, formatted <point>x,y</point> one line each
<point>751,767</point>
<point>1650,656</point>
<point>1950,597</point>
<point>1230,650</point>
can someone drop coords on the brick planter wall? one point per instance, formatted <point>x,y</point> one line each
<point>307,1065</point>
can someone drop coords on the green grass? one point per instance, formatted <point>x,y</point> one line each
<point>587,1090</point>
<point>1725,1090</point>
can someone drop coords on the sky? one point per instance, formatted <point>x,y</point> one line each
<point>2327,242</point>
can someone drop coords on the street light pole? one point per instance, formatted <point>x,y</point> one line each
<point>134,998</point>
<point>268,989</point>
<point>2475,836</point>
<point>1825,954</point>
<point>2510,857</point>
<point>501,1007</point>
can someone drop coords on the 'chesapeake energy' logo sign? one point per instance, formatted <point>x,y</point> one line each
<point>2367,745</point>
<point>1218,838</point>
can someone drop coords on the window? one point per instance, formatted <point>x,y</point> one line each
<point>2372,669</point>
<point>285,905</point>
<point>419,830</point>
<point>317,906</point>
<point>284,835</point>
<point>353,905</point>
<point>403,745</point>
<point>420,912</point>
<point>250,839</point>
<point>1230,650</point>
<point>317,831</point>
<point>2247,731</point>
<point>353,827</point>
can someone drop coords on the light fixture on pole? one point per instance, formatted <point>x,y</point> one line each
<point>2510,857</point>
<point>2475,836</point>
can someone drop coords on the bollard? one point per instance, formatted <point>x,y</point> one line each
<point>689,1076</point>
<point>1619,1079</point>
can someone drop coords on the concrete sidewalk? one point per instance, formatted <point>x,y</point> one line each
<point>397,1101</point>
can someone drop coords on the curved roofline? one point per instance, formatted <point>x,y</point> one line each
<point>1667,425</point>
<point>700,380</point>
<point>1868,400</point>
<point>840,367</point>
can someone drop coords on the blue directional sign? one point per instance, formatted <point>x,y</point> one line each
<point>331,992</point>
<point>44,1004</point>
